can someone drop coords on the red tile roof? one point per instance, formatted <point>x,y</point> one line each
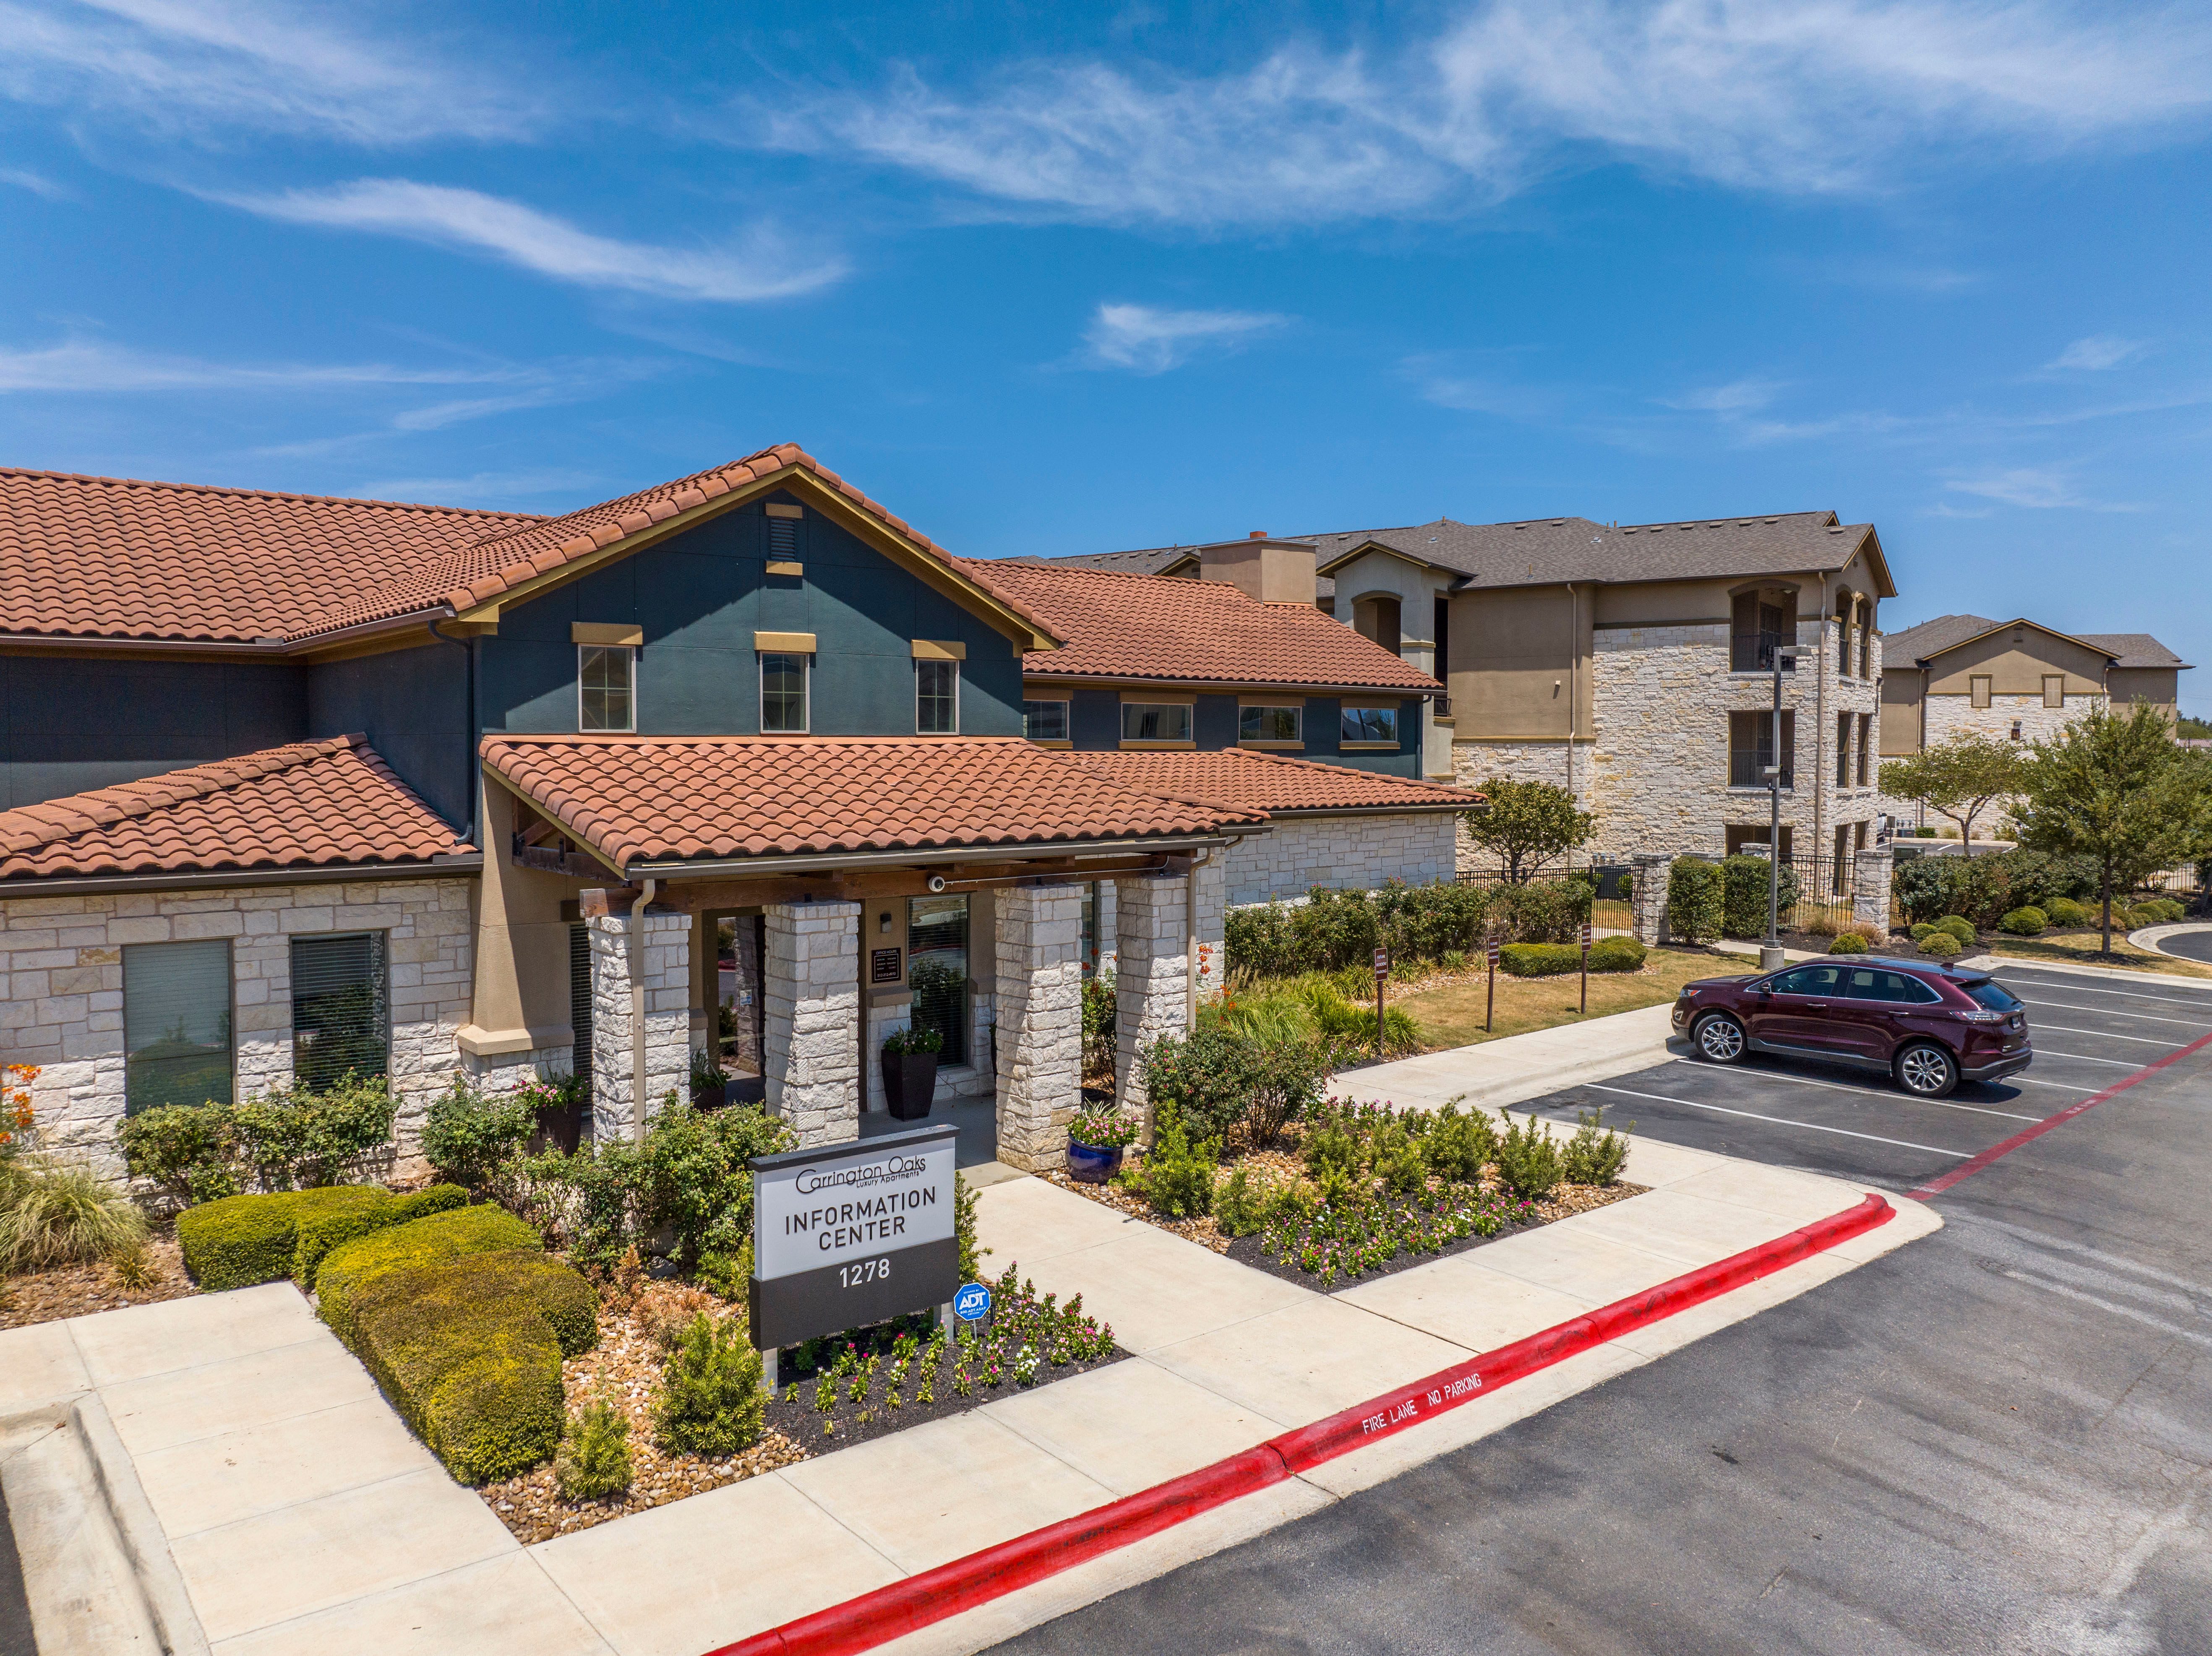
<point>110,557</point>
<point>312,804</point>
<point>1250,780</point>
<point>650,799</point>
<point>1180,631</point>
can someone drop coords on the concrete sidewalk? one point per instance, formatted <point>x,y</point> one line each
<point>301,1516</point>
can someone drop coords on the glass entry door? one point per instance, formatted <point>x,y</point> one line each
<point>937,971</point>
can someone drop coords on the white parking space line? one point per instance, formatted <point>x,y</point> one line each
<point>1779,1120</point>
<point>2031,1081</point>
<point>2083,1057</point>
<point>1882,1093</point>
<point>2113,1012</point>
<point>2130,994</point>
<point>2106,1034</point>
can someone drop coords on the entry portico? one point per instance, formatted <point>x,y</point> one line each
<point>825,839</point>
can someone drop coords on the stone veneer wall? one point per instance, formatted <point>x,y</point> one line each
<point>810,973</point>
<point>1039,933</point>
<point>1363,852</point>
<point>666,957</point>
<point>61,990</point>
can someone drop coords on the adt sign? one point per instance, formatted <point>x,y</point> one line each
<point>972,1303</point>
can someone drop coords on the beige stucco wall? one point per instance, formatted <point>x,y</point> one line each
<point>1520,662</point>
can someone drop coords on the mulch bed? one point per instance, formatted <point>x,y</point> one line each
<point>45,1296</point>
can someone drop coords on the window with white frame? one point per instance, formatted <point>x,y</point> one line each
<point>1155,721</point>
<point>783,675</point>
<point>607,688</point>
<point>1271,724</point>
<point>937,698</point>
<point>1370,725</point>
<point>1044,721</point>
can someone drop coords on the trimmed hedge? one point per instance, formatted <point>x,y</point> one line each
<point>1941,945</point>
<point>1617,955</point>
<point>469,1350</point>
<point>1540,959</point>
<point>319,1233</point>
<point>1696,899</point>
<point>1848,943</point>
<point>241,1240</point>
<point>1959,926</point>
<point>352,1267</point>
<point>2025,922</point>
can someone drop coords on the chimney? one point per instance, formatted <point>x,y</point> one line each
<point>1273,571</point>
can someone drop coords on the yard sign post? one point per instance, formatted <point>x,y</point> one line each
<point>1586,935</point>
<point>1489,1005</point>
<point>1381,971</point>
<point>848,1235</point>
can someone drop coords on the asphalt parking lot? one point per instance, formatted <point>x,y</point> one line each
<point>2088,1033</point>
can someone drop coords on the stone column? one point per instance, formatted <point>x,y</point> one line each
<point>810,973</point>
<point>1648,903</point>
<point>1151,980</point>
<point>1870,876</point>
<point>1040,1009</point>
<point>664,960</point>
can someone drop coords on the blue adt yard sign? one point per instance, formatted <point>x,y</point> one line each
<point>972,1303</point>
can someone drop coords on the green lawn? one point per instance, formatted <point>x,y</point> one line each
<point>1450,1012</point>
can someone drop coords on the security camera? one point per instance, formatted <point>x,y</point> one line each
<point>936,882</point>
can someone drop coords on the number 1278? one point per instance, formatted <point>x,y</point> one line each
<point>866,1271</point>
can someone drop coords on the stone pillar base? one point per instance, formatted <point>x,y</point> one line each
<point>664,957</point>
<point>811,981</point>
<point>1151,980</point>
<point>1040,1011</point>
<point>1648,900</point>
<point>1871,873</point>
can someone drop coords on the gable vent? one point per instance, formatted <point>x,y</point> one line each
<point>783,537</point>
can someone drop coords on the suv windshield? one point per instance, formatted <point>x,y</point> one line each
<point>1989,995</point>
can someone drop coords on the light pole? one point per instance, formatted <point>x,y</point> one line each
<point>1770,949</point>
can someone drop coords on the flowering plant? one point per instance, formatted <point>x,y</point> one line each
<point>18,1125</point>
<point>1105,1130</point>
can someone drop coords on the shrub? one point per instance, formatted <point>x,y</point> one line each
<point>593,1460</point>
<point>2064,911</point>
<point>1540,959</point>
<point>240,1240</point>
<point>1177,1177</point>
<point>963,1229</point>
<point>1528,1159</point>
<point>187,1151</point>
<point>1398,1161</point>
<point>1202,1075</point>
<point>51,1215</point>
<point>1744,881</point>
<point>1332,1151</point>
<point>1332,930</point>
<point>1217,1077</point>
<point>1617,955</point>
<point>468,1137</point>
<point>1241,1204</point>
<point>1983,889</point>
<point>320,1228</point>
<point>1696,900</point>
<point>469,1350</point>
<point>2163,911</point>
<point>1941,945</point>
<point>291,1139</point>
<point>1848,943</point>
<point>2025,922</point>
<point>1959,926</point>
<point>351,1269</point>
<point>693,1175</point>
<point>1596,1154</point>
<point>711,1396</point>
<point>1100,1023</point>
<point>1457,1146</point>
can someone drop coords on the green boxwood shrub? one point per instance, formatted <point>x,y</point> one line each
<point>2025,922</point>
<point>1919,929</point>
<point>321,1230</point>
<point>1696,899</point>
<point>240,1240</point>
<point>349,1270</point>
<point>2064,911</point>
<point>1941,945</point>
<point>469,1350</point>
<point>1540,959</point>
<point>1848,943</point>
<point>1744,881</point>
<point>712,1401</point>
<point>1959,926</point>
<point>1617,955</point>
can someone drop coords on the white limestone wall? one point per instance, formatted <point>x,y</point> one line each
<point>810,974</point>
<point>666,959</point>
<point>61,990</point>
<point>1343,851</point>
<point>1152,992</point>
<point>1039,996</point>
<point>1950,717</point>
<point>496,1075</point>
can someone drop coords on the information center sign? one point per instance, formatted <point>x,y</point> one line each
<point>848,1235</point>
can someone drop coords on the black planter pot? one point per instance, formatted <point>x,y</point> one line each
<point>910,1084</point>
<point>561,1129</point>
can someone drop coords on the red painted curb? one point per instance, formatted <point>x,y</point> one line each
<point>870,1620</point>
<point>1967,1169</point>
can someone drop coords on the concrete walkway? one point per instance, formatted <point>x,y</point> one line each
<point>303,1517</point>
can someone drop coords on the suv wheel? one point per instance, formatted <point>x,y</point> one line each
<point>1718,1039</point>
<point>1927,1071</point>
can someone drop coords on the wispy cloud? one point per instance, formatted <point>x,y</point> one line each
<point>2037,489</point>
<point>95,366</point>
<point>207,65</point>
<point>759,264</point>
<point>1737,396</point>
<point>2098,350</point>
<point>484,488</point>
<point>37,183</point>
<point>1797,96</point>
<point>1150,341</point>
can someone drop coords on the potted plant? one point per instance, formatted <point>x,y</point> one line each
<point>910,1071</point>
<point>1095,1144</point>
<point>558,1107</point>
<point>708,1081</point>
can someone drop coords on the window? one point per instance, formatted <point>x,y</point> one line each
<point>1751,749</point>
<point>605,680</point>
<point>1839,877</point>
<point>1991,997</point>
<point>1374,724</point>
<point>783,691</point>
<point>1735,836</point>
<point>1155,721</point>
<point>1808,980</point>
<point>1843,750</point>
<point>1869,983</point>
<point>937,697</point>
<point>341,1007</point>
<point>1759,625</point>
<point>1866,744</point>
<point>937,971</point>
<point>1044,721</point>
<point>1269,724</point>
<point>176,1023</point>
<point>2054,689</point>
<point>1979,683</point>
<point>580,1002</point>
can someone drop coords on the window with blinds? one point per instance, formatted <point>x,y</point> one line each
<point>937,971</point>
<point>579,1003</point>
<point>176,1023</point>
<point>341,1008</point>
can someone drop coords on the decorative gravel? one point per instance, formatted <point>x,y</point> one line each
<point>45,1296</point>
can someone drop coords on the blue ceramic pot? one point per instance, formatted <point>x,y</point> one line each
<point>1089,1164</point>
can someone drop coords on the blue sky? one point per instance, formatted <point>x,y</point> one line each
<point>1060,279</point>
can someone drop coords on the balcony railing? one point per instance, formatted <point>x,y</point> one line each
<point>1749,770</point>
<point>1754,652</point>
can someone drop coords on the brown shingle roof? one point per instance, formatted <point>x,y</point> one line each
<point>1253,780</point>
<point>654,799</point>
<point>1932,637</point>
<point>1187,632</point>
<point>310,804</point>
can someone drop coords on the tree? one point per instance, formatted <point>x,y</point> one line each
<point>2117,790</point>
<point>1958,779</point>
<point>1527,824</point>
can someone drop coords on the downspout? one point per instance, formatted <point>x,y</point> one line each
<point>471,787</point>
<point>637,945</point>
<point>1190,938</point>
<point>1820,735</point>
<point>1574,677</point>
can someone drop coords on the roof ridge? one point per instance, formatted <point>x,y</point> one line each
<point>30,825</point>
<point>266,494</point>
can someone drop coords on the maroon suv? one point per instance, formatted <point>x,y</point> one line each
<point>1926,1025</point>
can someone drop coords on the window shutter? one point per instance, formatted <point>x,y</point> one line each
<point>580,1000</point>
<point>176,1023</point>
<point>341,1008</point>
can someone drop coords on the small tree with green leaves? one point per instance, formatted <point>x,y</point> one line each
<point>1527,824</point>
<point>1959,778</point>
<point>2117,790</point>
